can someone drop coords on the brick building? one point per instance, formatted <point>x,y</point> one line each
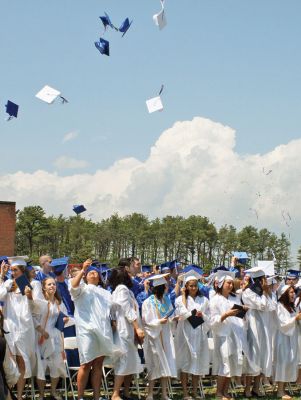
<point>7,228</point>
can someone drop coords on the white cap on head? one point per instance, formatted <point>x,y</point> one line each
<point>222,276</point>
<point>17,261</point>
<point>158,280</point>
<point>190,276</point>
<point>271,280</point>
<point>255,272</point>
<point>282,289</point>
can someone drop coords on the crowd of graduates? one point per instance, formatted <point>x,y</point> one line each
<point>156,318</point>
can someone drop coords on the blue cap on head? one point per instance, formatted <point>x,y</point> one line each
<point>146,268</point>
<point>12,109</point>
<point>292,274</point>
<point>124,27</point>
<point>193,267</point>
<point>103,46</point>
<point>59,264</point>
<point>78,209</point>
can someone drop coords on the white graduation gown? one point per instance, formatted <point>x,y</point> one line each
<point>92,319</point>
<point>259,333</point>
<point>159,348</point>
<point>126,311</point>
<point>51,350</point>
<point>286,346</point>
<point>229,337</point>
<point>18,322</point>
<point>192,353</point>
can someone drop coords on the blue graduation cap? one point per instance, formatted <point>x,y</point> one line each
<point>106,21</point>
<point>146,268</point>
<point>4,258</point>
<point>11,109</point>
<point>103,46</point>
<point>193,267</point>
<point>292,274</point>
<point>125,26</point>
<point>59,264</point>
<point>242,256</point>
<point>78,209</point>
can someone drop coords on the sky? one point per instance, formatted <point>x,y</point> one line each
<point>232,79</point>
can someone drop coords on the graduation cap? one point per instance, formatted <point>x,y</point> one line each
<point>22,281</point>
<point>193,267</point>
<point>59,264</point>
<point>146,268</point>
<point>292,274</point>
<point>242,256</point>
<point>78,209</point>
<point>154,104</point>
<point>124,27</point>
<point>255,272</point>
<point>103,46</point>
<point>106,20</point>
<point>60,324</point>
<point>160,19</point>
<point>158,280</point>
<point>3,258</point>
<point>11,109</point>
<point>49,95</point>
<point>18,261</point>
<point>190,275</point>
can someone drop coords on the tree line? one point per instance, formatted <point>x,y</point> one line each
<point>192,240</point>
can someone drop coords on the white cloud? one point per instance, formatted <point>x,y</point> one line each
<point>65,162</point>
<point>70,136</point>
<point>191,169</point>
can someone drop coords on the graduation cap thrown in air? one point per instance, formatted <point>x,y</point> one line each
<point>49,95</point>
<point>78,209</point>
<point>160,19</point>
<point>125,26</point>
<point>106,20</point>
<point>103,46</point>
<point>12,110</point>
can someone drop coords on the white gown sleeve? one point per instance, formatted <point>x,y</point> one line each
<point>121,297</point>
<point>287,323</point>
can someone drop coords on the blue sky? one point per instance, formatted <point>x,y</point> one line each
<point>232,82</point>
<point>235,62</point>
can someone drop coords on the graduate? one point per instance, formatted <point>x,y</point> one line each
<point>18,321</point>
<point>191,339</point>
<point>93,326</point>
<point>257,295</point>
<point>286,355</point>
<point>50,338</point>
<point>128,331</point>
<point>46,269</point>
<point>228,333</point>
<point>159,349</point>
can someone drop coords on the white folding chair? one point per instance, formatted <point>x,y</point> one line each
<point>70,343</point>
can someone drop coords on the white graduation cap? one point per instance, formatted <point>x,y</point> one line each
<point>190,276</point>
<point>48,94</point>
<point>160,19</point>
<point>267,266</point>
<point>221,276</point>
<point>282,289</point>
<point>255,272</point>
<point>158,279</point>
<point>18,260</point>
<point>154,104</point>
